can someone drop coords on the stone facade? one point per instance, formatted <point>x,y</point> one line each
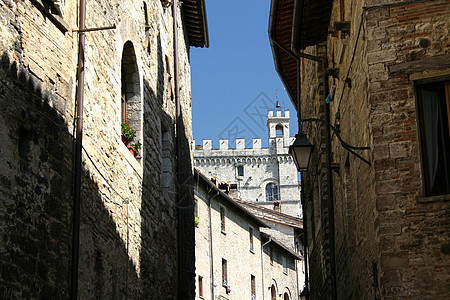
<point>281,270</point>
<point>261,168</point>
<point>287,231</point>
<point>226,231</point>
<point>130,246</point>
<point>378,230</point>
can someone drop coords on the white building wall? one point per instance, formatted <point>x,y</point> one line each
<point>233,244</point>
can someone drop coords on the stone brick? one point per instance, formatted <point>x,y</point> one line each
<point>396,260</point>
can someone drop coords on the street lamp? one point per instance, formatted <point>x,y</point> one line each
<point>301,151</point>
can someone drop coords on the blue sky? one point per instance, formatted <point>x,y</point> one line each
<point>234,81</point>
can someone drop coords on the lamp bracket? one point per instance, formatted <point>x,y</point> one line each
<point>346,146</point>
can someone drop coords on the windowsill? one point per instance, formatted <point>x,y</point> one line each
<point>439,198</point>
<point>251,251</point>
<point>135,163</point>
<point>56,19</point>
<point>201,297</point>
<point>223,232</point>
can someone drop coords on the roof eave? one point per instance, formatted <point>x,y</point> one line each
<point>197,30</point>
<point>227,198</point>
<point>276,50</point>
<point>281,245</point>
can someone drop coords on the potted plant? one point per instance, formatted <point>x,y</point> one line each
<point>134,148</point>
<point>128,133</point>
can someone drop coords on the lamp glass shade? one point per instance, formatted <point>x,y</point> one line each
<point>301,151</point>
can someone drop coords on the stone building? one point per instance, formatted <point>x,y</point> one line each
<point>133,236</point>
<point>264,175</point>
<point>376,73</point>
<point>284,230</point>
<point>234,259</point>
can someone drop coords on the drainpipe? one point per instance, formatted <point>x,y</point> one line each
<point>262,265</point>
<point>211,249</point>
<point>330,189</point>
<point>305,238</point>
<point>78,149</point>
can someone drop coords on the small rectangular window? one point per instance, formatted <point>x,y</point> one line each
<point>250,230</point>
<point>285,269</point>
<point>240,170</point>
<point>200,286</point>
<point>222,219</point>
<point>253,286</point>
<point>433,101</point>
<point>224,272</point>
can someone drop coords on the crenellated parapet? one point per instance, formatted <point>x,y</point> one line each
<point>240,144</point>
<point>249,161</point>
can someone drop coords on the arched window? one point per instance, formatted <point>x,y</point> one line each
<point>273,293</point>
<point>286,296</point>
<point>272,192</point>
<point>240,170</point>
<point>279,130</point>
<point>131,93</point>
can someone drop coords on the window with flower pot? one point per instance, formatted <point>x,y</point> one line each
<point>131,108</point>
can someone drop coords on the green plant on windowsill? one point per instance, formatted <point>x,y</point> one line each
<point>128,132</point>
<point>197,221</point>
<point>137,146</point>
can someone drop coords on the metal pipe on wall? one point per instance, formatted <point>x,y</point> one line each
<point>330,189</point>
<point>78,153</point>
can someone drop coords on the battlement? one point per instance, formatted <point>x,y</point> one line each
<point>277,114</point>
<point>223,144</point>
<point>240,144</point>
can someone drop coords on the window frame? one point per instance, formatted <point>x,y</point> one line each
<point>284,263</point>
<point>271,197</point>
<point>200,286</point>
<point>56,19</point>
<point>240,170</point>
<point>253,286</point>
<point>222,219</point>
<point>443,91</point>
<point>251,232</point>
<point>224,272</point>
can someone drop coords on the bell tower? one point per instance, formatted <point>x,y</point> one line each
<point>278,124</point>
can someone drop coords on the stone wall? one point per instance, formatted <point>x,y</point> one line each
<point>128,238</point>
<point>389,240</point>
